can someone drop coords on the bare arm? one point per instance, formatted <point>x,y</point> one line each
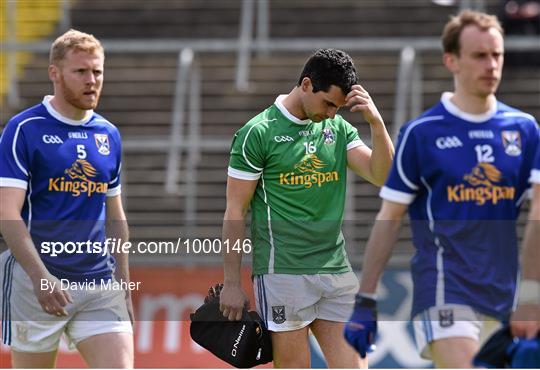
<point>117,227</point>
<point>239,194</point>
<point>52,298</point>
<point>531,245</point>
<point>525,321</point>
<point>372,164</point>
<point>380,244</point>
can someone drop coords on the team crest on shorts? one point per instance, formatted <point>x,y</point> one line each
<point>446,318</point>
<point>278,314</point>
<point>102,143</point>
<point>328,136</point>
<point>22,333</point>
<point>512,142</point>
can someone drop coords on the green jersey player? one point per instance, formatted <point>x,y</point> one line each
<point>290,164</point>
<point>303,193</point>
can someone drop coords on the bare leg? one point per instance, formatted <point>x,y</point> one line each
<point>110,350</point>
<point>291,349</point>
<point>337,352</point>
<point>456,352</point>
<point>28,360</point>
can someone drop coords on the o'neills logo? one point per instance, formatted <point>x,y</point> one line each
<point>306,172</point>
<point>79,182</point>
<point>482,189</point>
<point>237,341</point>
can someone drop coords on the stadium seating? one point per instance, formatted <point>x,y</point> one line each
<point>32,21</point>
<point>139,88</point>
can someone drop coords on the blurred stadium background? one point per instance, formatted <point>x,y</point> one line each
<point>181,76</point>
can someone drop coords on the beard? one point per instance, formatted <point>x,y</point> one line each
<point>79,100</point>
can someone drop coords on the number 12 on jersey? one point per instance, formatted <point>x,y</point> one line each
<point>484,153</point>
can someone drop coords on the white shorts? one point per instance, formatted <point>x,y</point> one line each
<point>449,321</point>
<point>27,328</point>
<point>290,302</point>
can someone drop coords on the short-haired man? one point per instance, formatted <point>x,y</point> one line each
<point>461,170</point>
<point>60,183</point>
<point>289,163</point>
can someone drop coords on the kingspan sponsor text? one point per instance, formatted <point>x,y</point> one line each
<point>480,195</point>
<point>308,180</point>
<point>77,188</point>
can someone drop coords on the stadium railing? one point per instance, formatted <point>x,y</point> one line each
<point>186,110</point>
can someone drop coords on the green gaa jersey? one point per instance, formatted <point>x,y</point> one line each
<point>297,208</point>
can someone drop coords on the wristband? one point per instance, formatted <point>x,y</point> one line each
<point>529,292</point>
<point>363,301</point>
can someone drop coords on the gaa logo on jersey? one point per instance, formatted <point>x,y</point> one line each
<point>328,136</point>
<point>512,142</point>
<point>52,139</point>
<point>102,143</point>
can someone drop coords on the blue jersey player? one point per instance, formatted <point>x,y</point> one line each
<point>526,320</point>
<point>59,187</point>
<point>518,346</point>
<point>461,170</point>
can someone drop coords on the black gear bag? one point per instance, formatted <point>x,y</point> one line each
<point>245,343</point>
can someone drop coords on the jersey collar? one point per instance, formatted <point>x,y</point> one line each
<point>53,112</point>
<point>453,109</point>
<point>286,113</point>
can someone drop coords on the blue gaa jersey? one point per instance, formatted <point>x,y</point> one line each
<point>535,172</point>
<point>464,177</point>
<point>67,169</point>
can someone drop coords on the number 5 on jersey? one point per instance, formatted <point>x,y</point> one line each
<point>81,151</point>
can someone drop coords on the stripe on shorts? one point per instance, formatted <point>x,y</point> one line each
<point>427,327</point>
<point>259,297</point>
<point>265,302</point>
<point>6,292</point>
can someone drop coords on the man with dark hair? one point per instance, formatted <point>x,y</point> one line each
<point>290,164</point>
<point>329,67</point>
<point>461,170</point>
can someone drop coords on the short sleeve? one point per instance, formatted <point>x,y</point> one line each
<point>353,140</point>
<point>404,177</point>
<point>115,187</point>
<point>14,158</point>
<point>535,171</point>
<point>247,153</point>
